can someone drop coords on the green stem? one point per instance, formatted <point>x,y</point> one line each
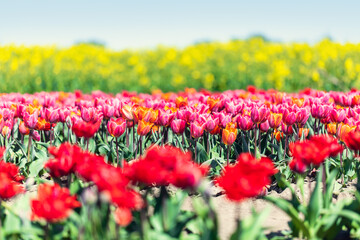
<point>117,153</point>
<point>228,154</point>
<point>29,146</point>
<point>255,140</point>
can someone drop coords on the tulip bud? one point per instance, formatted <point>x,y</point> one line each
<point>35,135</point>
<point>5,132</point>
<point>297,166</point>
<point>331,128</point>
<point>303,132</point>
<point>264,127</point>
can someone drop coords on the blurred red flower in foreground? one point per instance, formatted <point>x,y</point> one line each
<point>65,158</point>
<point>313,151</point>
<point>247,178</point>
<point>109,180</point>
<point>2,151</point>
<point>352,140</point>
<point>123,216</point>
<point>166,165</point>
<point>53,203</point>
<point>11,170</point>
<point>8,187</point>
<point>112,182</point>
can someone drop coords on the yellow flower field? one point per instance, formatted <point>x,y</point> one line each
<point>215,66</point>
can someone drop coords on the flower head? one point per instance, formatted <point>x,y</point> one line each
<point>9,188</point>
<point>53,203</point>
<point>247,178</point>
<point>229,134</point>
<point>166,165</point>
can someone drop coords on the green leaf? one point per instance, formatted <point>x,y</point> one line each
<point>36,166</point>
<point>251,227</point>
<point>316,202</point>
<point>12,224</point>
<point>289,209</point>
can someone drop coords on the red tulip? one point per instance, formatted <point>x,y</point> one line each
<point>297,166</point>
<point>2,152</point>
<point>315,150</point>
<point>247,178</point>
<point>10,169</point>
<point>64,161</point>
<point>9,188</point>
<point>85,129</point>
<point>162,166</point>
<point>352,140</point>
<point>53,203</point>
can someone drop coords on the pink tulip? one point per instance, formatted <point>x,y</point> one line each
<point>178,126</point>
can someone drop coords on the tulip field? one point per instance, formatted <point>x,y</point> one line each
<point>120,166</point>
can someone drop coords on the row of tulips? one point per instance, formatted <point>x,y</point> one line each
<point>85,156</point>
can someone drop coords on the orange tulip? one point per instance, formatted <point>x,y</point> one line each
<point>212,102</point>
<point>275,120</point>
<point>181,101</point>
<point>278,135</point>
<point>229,134</point>
<point>303,132</point>
<point>298,101</point>
<point>343,130</point>
<point>144,127</point>
<point>331,128</point>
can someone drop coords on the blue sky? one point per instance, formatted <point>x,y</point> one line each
<point>143,24</point>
